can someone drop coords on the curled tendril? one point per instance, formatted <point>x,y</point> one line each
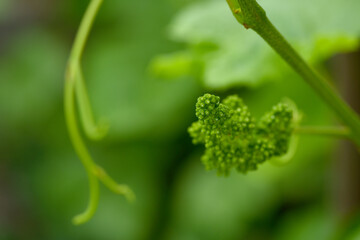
<point>232,137</point>
<point>75,89</point>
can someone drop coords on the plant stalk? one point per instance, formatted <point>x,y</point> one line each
<point>336,132</point>
<point>75,90</point>
<point>251,15</point>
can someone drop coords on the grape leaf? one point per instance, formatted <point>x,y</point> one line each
<point>316,28</point>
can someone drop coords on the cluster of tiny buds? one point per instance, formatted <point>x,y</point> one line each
<point>232,137</point>
<point>205,105</point>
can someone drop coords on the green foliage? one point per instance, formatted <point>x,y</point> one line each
<point>241,58</point>
<point>232,137</point>
<point>125,52</point>
<point>146,118</point>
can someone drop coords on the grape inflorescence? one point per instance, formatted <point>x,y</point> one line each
<point>232,137</point>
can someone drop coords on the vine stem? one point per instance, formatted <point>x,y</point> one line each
<point>251,15</point>
<point>75,90</point>
<point>331,131</point>
<point>84,30</point>
<point>82,152</point>
<point>336,132</point>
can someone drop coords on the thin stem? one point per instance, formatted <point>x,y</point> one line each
<point>84,29</point>
<point>114,186</point>
<point>336,132</point>
<point>253,16</point>
<point>93,202</point>
<point>81,151</point>
<point>75,87</point>
<point>92,130</point>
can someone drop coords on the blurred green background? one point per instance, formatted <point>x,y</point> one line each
<point>145,64</point>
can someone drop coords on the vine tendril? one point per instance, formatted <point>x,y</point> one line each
<point>75,89</point>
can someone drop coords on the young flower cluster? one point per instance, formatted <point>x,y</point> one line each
<point>232,138</point>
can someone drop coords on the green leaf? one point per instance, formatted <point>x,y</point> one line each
<point>173,65</point>
<point>317,28</point>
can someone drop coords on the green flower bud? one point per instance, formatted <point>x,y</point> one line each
<point>232,138</point>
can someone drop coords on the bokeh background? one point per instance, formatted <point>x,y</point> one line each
<point>145,64</point>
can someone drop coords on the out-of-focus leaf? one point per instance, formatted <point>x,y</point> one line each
<point>174,65</point>
<point>134,104</point>
<point>120,88</point>
<point>317,28</point>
